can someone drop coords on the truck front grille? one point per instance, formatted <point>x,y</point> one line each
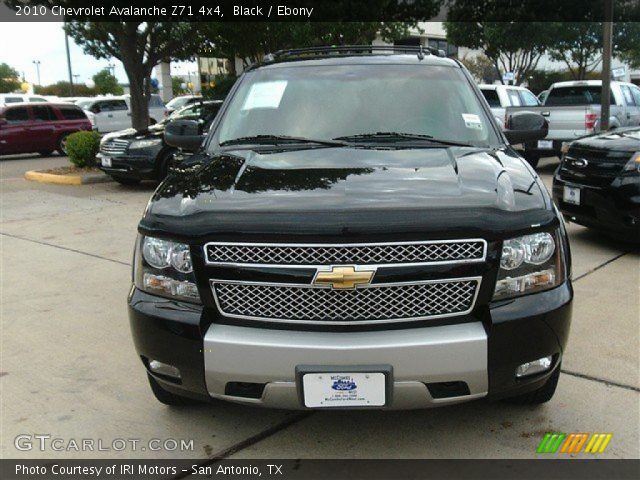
<point>375,303</point>
<point>114,147</point>
<point>443,251</point>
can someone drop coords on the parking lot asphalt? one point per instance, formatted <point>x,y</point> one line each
<point>68,367</point>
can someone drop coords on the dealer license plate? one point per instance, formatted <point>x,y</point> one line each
<point>106,161</point>
<point>344,389</point>
<point>545,144</point>
<point>571,195</point>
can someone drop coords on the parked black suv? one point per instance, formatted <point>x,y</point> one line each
<point>355,231</point>
<point>130,156</point>
<point>598,183</point>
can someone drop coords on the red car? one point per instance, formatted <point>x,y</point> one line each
<point>42,127</point>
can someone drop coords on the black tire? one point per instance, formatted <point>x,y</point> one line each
<point>45,153</point>
<point>532,158</point>
<point>164,162</point>
<point>61,145</point>
<point>126,181</point>
<point>166,397</point>
<point>542,394</point>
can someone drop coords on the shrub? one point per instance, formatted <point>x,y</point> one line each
<point>82,148</point>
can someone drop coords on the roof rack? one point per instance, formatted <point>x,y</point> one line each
<point>348,51</point>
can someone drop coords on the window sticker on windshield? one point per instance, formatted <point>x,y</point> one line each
<point>472,120</point>
<point>265,95</point>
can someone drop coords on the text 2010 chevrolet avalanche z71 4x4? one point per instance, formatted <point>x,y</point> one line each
<point>354,231</point>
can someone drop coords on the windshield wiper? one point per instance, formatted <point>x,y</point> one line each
<point>397,136</point>
<point>281,140</point>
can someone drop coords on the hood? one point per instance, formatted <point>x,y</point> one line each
<point>621,140</point>
<point>337,191</point>
<point>156,130</point>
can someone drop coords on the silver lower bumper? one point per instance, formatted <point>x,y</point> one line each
<point>418,356</point>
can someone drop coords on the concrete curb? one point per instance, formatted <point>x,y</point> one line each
<point>81,179</point>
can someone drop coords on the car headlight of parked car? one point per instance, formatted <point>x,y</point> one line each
<point>145,143</point>
<point>633,165</point>
<point>163,267</point>
<point>528,264</point>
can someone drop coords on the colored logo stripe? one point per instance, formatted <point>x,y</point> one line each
<point>574,442</point>
<point>598,443</point>
<point>551,442</point>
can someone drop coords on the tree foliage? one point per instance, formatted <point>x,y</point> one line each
<point>140,46</point>
<point>62,89</point>
<point>9,80</point>
<point>251,41</point>
<point>511,46</point>
<point>106,83</point>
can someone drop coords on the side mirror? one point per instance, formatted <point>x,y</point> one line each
<point>525,127</point>
<point>184,134</point>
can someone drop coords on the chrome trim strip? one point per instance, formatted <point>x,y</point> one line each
<point>212,283</point>
<point>346,245</point>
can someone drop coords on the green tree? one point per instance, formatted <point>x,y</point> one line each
<point>627,39</point>
<point>578,45</point>
<point>250,41</point>
<point>106,83</point>
<point>140,46</point>
<point>62,89</point>
<point>9,80</point>
<point>512,46</point>
<point>481,68</point>
<point>176,86</point>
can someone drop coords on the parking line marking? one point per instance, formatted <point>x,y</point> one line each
<point>18,237</point>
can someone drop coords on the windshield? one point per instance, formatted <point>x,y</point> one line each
<point>337,101</point>
<point>84,104</point>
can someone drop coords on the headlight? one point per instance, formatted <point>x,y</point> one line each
<point>528,264</point>
<point>144,143</point>
<point>162,267</point>
<point>633,165</point>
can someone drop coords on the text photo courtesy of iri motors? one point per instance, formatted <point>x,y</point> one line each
<point>320,239</point>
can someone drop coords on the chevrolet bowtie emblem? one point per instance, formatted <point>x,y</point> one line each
<point>344,277</point>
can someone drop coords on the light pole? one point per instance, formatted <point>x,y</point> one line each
<point>66,45</point>
<point>606,65</point>
<point>37,64</point>
<point>112,68</point>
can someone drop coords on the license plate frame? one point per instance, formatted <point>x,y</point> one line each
<point>311,400</point>
<point>545,144</point>
<point>571,195</point>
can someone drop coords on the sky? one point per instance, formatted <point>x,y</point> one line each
<point>23,42</point>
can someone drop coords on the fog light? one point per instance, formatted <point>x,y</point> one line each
<point>531,368</point>
<point>164,369</point>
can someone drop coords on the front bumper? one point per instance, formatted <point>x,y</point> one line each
<point>481,353</point>
<point>141,166</point>
<point>614,208</point>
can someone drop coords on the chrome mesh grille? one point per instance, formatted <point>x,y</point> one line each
<point>366,254</point>
<point>375,303</point>
<point>114,147</point>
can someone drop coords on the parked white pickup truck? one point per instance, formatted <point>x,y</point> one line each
<point>499,97</point>
<point>573,110</point>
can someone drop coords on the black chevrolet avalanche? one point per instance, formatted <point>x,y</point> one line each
<point>354,231</point>
<point>598,183</point>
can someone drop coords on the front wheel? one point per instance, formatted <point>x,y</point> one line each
<point>542,394</point>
